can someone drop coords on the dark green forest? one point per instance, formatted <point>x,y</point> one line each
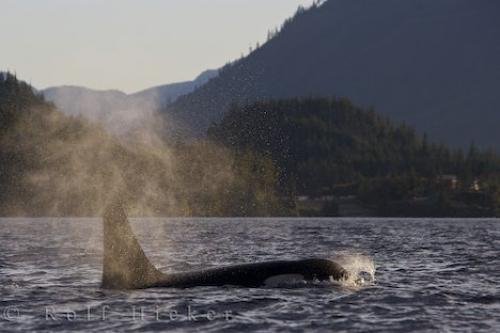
<point>326,148</point>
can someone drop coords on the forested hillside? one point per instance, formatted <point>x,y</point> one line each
<point>432,64</point>
<point>329,147</point>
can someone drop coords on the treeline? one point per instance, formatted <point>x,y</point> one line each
<point>326,147</point>
<point>260,160</point>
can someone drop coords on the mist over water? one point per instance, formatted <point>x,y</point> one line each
<point>75,166</point>
<point>59,165</point>
<point>72,166</point>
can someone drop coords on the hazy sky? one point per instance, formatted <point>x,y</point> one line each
<point>130,44</point>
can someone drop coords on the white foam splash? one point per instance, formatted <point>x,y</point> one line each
<point>361,268</point>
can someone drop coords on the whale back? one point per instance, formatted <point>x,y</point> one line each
<point>125,265</point>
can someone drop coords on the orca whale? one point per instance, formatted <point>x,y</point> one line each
<point>126,267</point>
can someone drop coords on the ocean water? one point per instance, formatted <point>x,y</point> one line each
<point>439,275</point>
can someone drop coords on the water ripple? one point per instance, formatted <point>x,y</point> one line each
<point>428,275</point>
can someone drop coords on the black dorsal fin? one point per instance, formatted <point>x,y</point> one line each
<point>125,266</point>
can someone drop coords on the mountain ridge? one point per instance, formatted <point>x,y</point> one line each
<point>106,106</point>
<point>431,64</point>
